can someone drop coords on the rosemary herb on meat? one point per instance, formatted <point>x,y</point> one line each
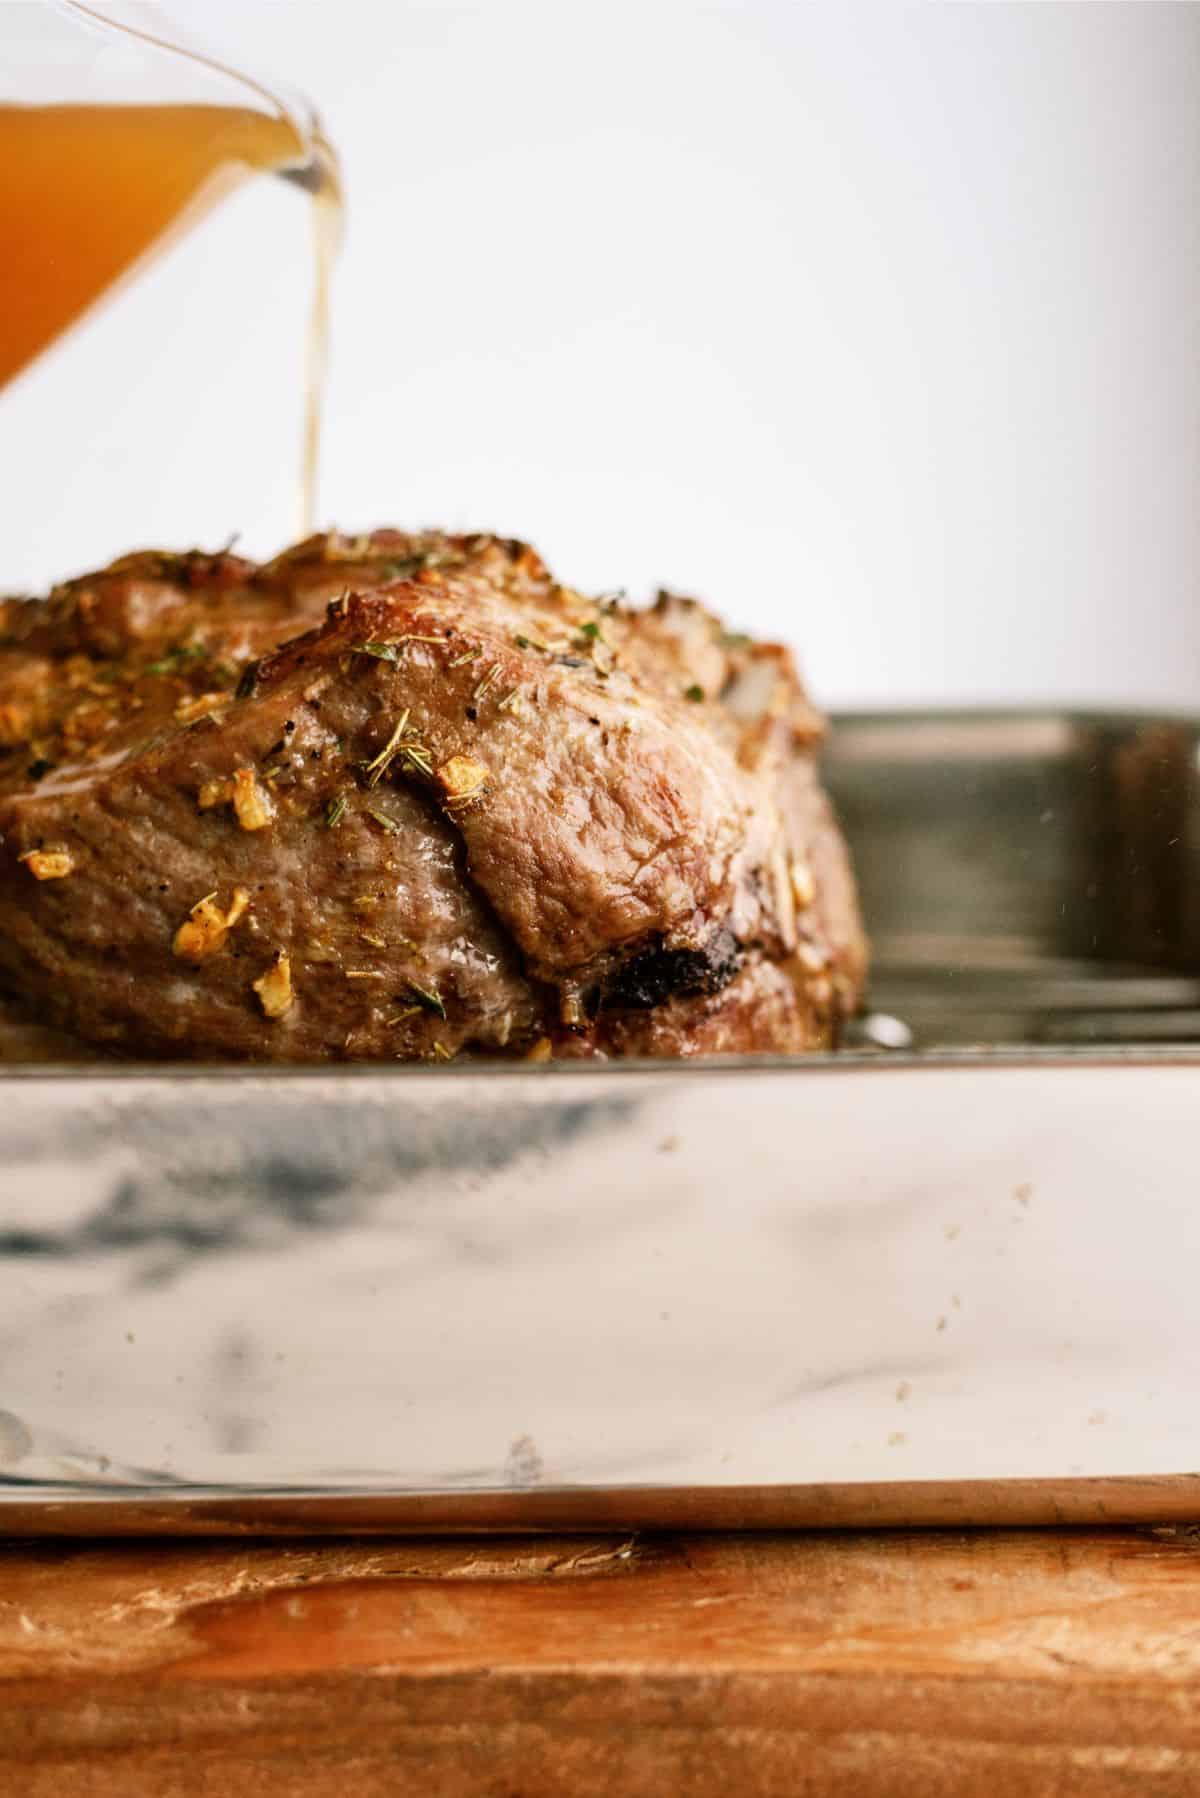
<point>415,755</point>
<point>390,651</point>
<point>410,751</point>
<point>489,680</point>
<point>376,770</point>
<point>173,660</point>
<point>592,640</point>
<point>426,998</point>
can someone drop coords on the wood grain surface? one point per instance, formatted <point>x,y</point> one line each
<point>928,1664</point>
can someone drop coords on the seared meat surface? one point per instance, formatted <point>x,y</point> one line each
<point>408,797</point>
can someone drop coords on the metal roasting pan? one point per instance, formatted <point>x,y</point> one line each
<point>949,1275</point>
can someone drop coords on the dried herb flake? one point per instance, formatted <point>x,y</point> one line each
<point>174,658</point>
<point>376,769</point>
<point>389,824</point>
<point>415,755</point>
<point>489,680</point>
<point>427,999</point>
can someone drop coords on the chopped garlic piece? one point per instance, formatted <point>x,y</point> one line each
<point>462,779</point>
<point>252,804</point>
<point>804,884</point>
<point>188,710</point>
<point>214,792</point>
<point>321,952</point>
<point>206,930</point>
<point>48,864</point>
<point>16,724</point>
<point>274,988</point>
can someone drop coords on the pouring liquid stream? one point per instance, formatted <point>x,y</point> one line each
<point>90,193</point>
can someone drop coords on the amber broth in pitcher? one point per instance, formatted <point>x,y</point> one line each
<point>91,192</point>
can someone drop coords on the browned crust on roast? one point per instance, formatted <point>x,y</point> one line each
<point>462,808</point>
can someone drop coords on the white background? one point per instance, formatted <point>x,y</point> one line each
<point>875,325</point>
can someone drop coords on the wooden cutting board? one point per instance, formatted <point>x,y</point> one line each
<point>934,1665</point>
